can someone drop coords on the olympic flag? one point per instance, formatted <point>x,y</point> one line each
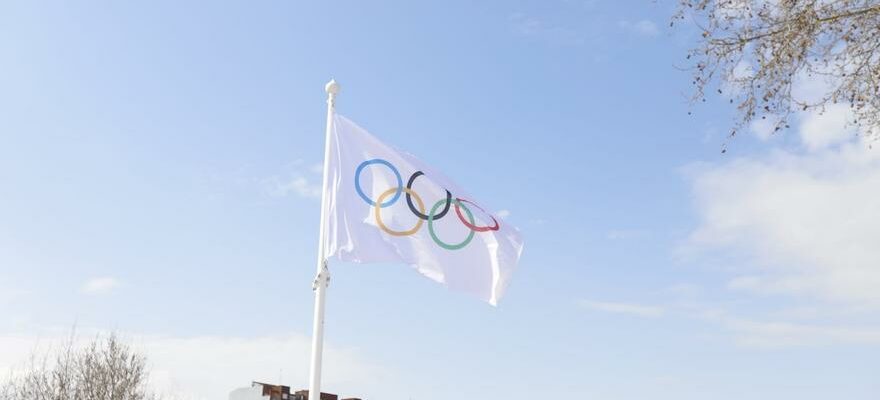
<point>384,205</point>
<point>379,204</point>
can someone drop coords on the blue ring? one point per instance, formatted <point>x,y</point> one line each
<point>357,182</point>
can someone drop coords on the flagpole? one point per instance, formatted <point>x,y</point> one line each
<point>322,277</point>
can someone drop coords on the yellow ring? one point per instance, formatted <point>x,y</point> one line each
<point>378,209</point>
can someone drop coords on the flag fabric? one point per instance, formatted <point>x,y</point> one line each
<point>384,205</point>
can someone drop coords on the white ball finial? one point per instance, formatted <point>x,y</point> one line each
<point>332,87</point>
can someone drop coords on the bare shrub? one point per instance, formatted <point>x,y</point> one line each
<point>104,369</point>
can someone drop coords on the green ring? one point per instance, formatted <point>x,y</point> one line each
<point>434,235</point>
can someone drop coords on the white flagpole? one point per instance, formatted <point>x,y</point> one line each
<point>323,273</point>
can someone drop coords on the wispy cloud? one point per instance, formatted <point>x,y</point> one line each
<point>684,290</point>
<point>503,213</point>
<point>300,180</point>
<point>10,295</point>
<point>643,27</point>
<point>530,26</point>
<point>781,334</point>
<point>297,185</point>
<point>765,333</point>
<point>620,234</point>
<point>317,168</point>
<point>99,285</point>
<point>638,310</point>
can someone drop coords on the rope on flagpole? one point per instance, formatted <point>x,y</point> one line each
<point>322,277</point>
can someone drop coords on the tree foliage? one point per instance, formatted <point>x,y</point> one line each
<point>757,50</point>
<point>105,369</point>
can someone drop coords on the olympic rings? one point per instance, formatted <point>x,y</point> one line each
<point>379,213</point>
<point>394,193</point>
<point>413,209</point>
<point>437,240</point>
<point>459,201</point>
<point>357,181</point>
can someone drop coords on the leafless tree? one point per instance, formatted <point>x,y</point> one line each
<point>105,369</point>
<point>755,50</point>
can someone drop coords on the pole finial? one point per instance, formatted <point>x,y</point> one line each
<point>332,87</point>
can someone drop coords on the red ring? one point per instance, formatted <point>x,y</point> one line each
<point>470,225</point>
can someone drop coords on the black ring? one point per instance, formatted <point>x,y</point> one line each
<point>412,208</point>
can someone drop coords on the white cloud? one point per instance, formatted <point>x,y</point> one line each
<point>805,223</point>
<point>624,308</point>
<point>11,295</point>
<point>778,334</point>
<point>99,285</point>
<point>813,88</point>
<point>529,26</point>
<point>297,185</point>
<point>209,367</point>
<point>746,331</point>
<point>300,181</point>
<point>620,234</point>
<point>503,213</point>
<point>643,27</point>
<point>820,130</point>
<point>317,168</point>
<point>729,85</point>
<point>800,223</point>
<point>764,128</point>
<point>684,290</point>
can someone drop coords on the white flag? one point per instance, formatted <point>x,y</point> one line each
<point>384,205</point>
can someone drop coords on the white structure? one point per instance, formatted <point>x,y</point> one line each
<point>263,391</point>
<point>254,392</point>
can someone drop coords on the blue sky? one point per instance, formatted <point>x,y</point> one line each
<point>158,170</point>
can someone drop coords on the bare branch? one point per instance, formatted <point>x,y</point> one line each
<point>105,369</point>
<point>759,50</point>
